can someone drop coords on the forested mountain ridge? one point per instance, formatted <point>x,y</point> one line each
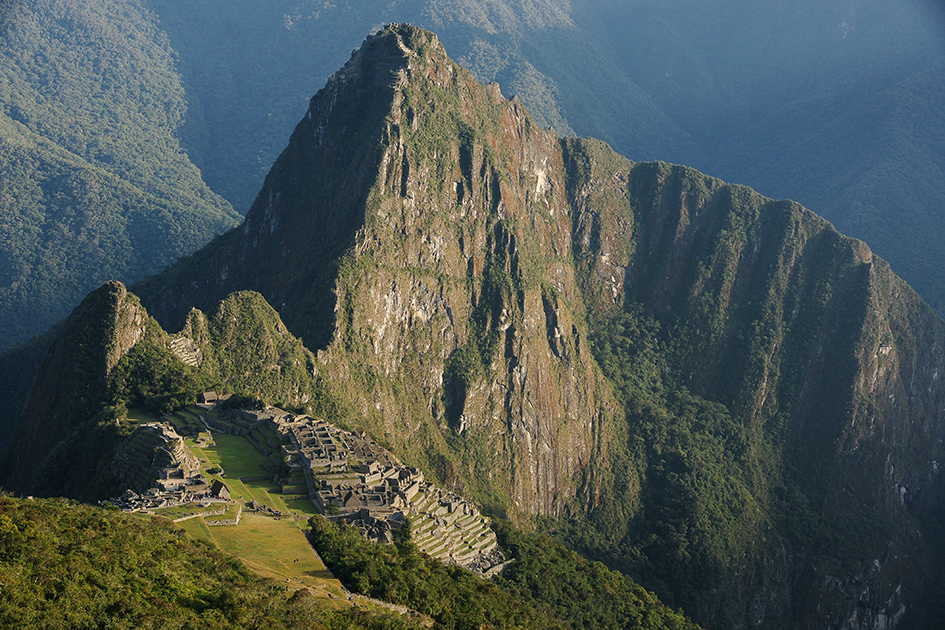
<point>70,565</point>
<point>111,355</point>
<point>95,184</point>
<point>831,412</point>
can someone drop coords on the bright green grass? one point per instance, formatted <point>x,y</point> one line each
<point>264,492</point>
<point>270,547</point>
<point>258,491</point>
<point>197,528</point>
<point>276,548</point>
<point>303,506</point>
<point>236,456</point>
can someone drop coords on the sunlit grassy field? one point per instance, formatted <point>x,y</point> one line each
<point>273,547</point>
<point>235,455</point>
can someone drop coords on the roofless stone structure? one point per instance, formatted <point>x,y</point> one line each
<point>351,478</point>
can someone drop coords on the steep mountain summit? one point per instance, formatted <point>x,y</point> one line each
<point>72,379</point>
<point>416,231</point>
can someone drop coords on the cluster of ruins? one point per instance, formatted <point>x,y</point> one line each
<point>348,476</point>
<point>157,498</point>
<point>353,479</point>
<point>155,462</point>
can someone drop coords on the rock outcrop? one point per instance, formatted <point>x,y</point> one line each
<point>155,455</point>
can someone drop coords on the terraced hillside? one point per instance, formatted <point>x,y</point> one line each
<point>354,480</point>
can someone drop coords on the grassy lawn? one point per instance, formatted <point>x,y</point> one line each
<point>236,456</point>
<point>259,491</point>
<point>303,506</point>
<point>272,548</point>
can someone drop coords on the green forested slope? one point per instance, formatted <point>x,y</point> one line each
<point>94,184</point>
<point>787,396</point>
<point>63,573</point>
<point>110,355</point>
<point>546,586</point>
<point>66,565</point>
<point>767,386</point>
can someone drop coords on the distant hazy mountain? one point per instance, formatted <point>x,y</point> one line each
<point>94,183</point>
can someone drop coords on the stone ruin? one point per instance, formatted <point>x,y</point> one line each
<point>348,476</point>
<point>155,455</point>
<point>351,478</point>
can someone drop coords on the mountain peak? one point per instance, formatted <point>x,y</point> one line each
<point>383,57</point>
<point>416,227</point>
<point>101,330</point>
<point>383,119</point>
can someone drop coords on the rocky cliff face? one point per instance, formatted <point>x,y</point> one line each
<point>416,231</point>
<point>832,362</point>
<point>460,285</point>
